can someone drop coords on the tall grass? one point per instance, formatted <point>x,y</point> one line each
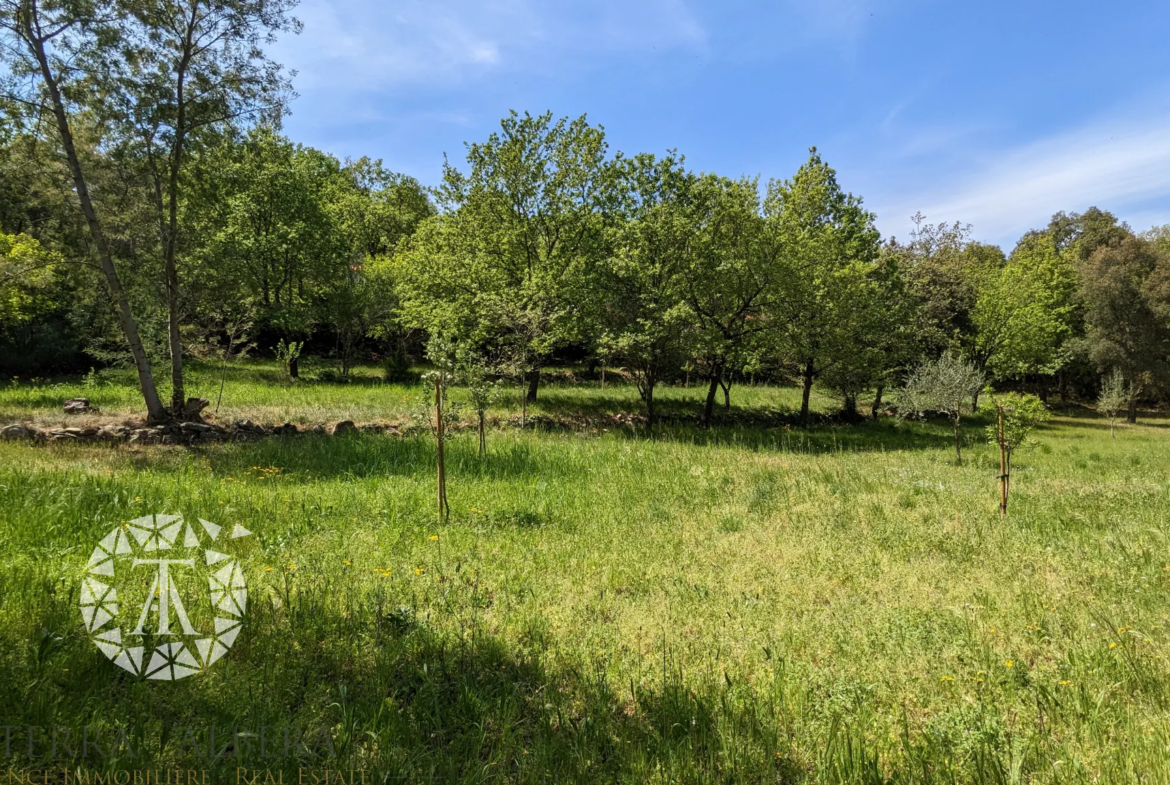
<point>747,604</point>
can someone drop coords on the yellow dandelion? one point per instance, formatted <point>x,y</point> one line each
<point>267,569</point>
<point>1008,663</point>
<point>1113,645</point>
<point>419,570</point>
<point>434,538</point>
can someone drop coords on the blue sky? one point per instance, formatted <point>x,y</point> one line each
<point>992,113</point>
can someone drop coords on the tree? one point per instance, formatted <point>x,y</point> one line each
<point>1114,397</point>
<point>730,276</point>
<point>55,46</point>
<point>829,245</point>
<point>271,231</point>
<point>880,320</point>
<point>521,234</point>
<point>184,69</point>
<point>646,322</point>
<point>1024,311</point>
<point>1123,327</point>
<point>481,391</point>
<point>946,385</point>
<point>440,414</point>
<point>944,269</point>
<point>1016,416</point>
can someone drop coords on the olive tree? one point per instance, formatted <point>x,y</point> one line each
<point>947,386</point>
<point>1114,397</point>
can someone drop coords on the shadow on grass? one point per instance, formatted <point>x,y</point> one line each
<point>375,455</point>
<point>361,683</point>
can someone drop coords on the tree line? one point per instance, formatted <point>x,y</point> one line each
<point>151,210</point>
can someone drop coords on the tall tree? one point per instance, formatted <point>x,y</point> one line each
<point>730,276</point>
<point>1025,311</point>
<point>59,47</point>
<point>829,244</point>
<point>530,231</point>
<point>185,69</point>
<point>1126,308</point>
<point>646,321</point>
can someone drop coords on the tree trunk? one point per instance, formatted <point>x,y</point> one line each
<point>603,377</point>
<point>726,385</point>
<point>877,402</point>
<point>443,509</point>
<point>975,401</point>
<point>533,385</point>
<point>294,371</point>
<point>958,440</point>
<point>178,396</point>
<point>648,397</point>
<point>808,382</point>
<point>1112,420</point>
<point>482,436</point>
<point>849,406</point>
<point>1003,463</point>
<point>154,407</point>
<point>1131,412</point>
<point>709,404</point>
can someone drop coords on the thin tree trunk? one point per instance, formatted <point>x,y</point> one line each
<point>726,385</point>
<point>1112,420</point>
<point>603,376</point>
<point>223,374</point>
<point>171,235</point>
<point>154,407</point>
<point>482,437</point>
<point>1003,463</point>
<point>709,404</point>
<point>443,510</point>
<point>877,402</point>
<point>808,382</point>
<point>958,440</point>
<point>648,397</point>
<point>533,384</point>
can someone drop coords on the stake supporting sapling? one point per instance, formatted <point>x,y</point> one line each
<point>1016,416</point>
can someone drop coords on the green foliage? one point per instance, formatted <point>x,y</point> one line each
<point>1114,396</point>
<point>27,278</point>
<point>829,247</point>
<point>1024,311</point>
<point>510,259</point>
<point>1021,414</point>
<point>286,355</point>
<point>949,385</point>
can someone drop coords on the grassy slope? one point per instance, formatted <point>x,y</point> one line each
<point>751,605</point>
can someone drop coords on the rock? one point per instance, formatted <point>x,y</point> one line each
<point>288,429</point>
<point>344,427</point>
<point>112,433</point>
<point>195,427</point>
<point>194,408</point>
<point>17,431</point>
<point>64,434</point>
<point>79,406</point>
<point>318,428</point>
<point>210,436</point>
<point>145,436</point>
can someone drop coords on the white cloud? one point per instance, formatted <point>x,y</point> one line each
<point>366,43</point>
<point>1122,165</point>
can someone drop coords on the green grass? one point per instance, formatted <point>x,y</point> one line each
<point>752,604</point>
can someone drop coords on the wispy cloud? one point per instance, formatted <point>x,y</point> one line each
<point>1122,165</point>
<point>367,43</point>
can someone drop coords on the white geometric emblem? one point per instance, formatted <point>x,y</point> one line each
<point>180,587</point>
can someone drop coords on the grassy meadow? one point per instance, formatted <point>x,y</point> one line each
<point>755,603</point>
